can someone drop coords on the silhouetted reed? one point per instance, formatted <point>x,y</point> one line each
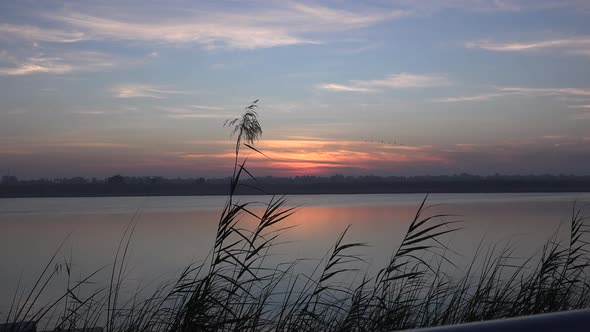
<point>235,289</point>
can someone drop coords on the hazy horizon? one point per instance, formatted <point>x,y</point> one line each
<point>10,177</point>
<point>384,87</point>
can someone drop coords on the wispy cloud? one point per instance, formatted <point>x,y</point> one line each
<point>193,112</point>
<point>209,34</point>
<point>281,24</point>
<point>553,137</point>
<point>14,152</point>
<point>406,80</point>
<point>571,46</point>
<point>107,111</point>
<point>490,6</point>
<point>520,91</point>
<point>145,91</point>
<point>326,19</point>
<point>207,107</point>
<point>200,116</point>
<point>63,64</point>
<point>479,97</point>
<point>342,88</point>
<point>31,68</point>
<point>89,112</point>
<point>393,81</point>
<point>324,156</point>
<point>432,6</point>
<point>547,91</point>
<point>87,144</point>
<point>318,155</point>
<point>34,33</point>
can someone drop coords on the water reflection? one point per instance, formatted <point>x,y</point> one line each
<point>174,232</point>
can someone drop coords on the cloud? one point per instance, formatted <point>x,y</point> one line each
<point>201,116</point>
<point>108,111</point>
<point>254,26</point>
<point>89,112</point>
<point>212,34</point>
<point>490,6</point>
<point>520,91</point>
<point>66,63</point>
<point>301,156</point>
<point>14,152</point>
<point>90,145</point>
<point>192,112</point>
<point>319,155</point>
<point>325,156</point>
<point>325,19</point>
<point>570,46</point>
<point>432,6</point>
<point>405,80</point>
<point>207,107</point>
<point>480,97</point>
<point>342,88</point>
<point>145,91</point>
<point>580,106</point>
<point>393,81</point>
<point>37,66</point>
<point>34,33</point>
<point>547,91</point>
<point>281,24</point>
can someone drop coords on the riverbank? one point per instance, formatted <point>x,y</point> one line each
<point>146,186</point>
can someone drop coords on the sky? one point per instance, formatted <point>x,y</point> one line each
<point>387,87</point>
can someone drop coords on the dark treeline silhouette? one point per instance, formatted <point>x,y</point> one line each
<point>118,185</point>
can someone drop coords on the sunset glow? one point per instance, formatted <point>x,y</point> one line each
<point>294,165</point>
<point>344,87</point>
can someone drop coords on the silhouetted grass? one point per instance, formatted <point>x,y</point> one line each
<point>235,289</point>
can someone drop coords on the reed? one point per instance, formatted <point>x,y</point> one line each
<point>236,289</point>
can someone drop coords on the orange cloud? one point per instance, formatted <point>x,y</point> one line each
<point>317,156</point>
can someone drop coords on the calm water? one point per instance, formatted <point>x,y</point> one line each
<point>175,231</point>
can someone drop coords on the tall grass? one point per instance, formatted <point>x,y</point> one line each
<point>236,289</point>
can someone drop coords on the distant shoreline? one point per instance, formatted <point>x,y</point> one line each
<point>126,187</point>
<point>279,194</point>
